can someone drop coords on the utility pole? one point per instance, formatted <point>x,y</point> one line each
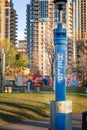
<point>2,69</point>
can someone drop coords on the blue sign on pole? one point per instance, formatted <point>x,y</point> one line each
<point>60,61</point>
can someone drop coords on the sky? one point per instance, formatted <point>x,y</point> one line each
<point>20,7</point>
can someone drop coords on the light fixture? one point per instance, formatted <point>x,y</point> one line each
<point>60,3</point>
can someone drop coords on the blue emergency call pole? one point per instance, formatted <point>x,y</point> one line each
<point>63,110</point>
<point>60,61</point>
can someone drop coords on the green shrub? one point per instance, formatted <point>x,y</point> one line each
<point>75,89</point>
<point>42,88</point>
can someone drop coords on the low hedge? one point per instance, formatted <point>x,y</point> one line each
<point>75,89</point>
<point>42,88</point>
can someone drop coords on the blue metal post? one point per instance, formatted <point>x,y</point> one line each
<point>60,61</point>
<point>60,69</point>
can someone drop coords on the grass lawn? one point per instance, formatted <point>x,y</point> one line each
<point>17,107</point>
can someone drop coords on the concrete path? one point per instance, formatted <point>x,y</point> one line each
<point>77,122</point>
<point>42,124</point>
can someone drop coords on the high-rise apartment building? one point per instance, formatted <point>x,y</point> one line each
<point>69,27</point>
<point>28,29</point>
<point>41,19</point>
<point>79,22</point>
<point>41,23</point>
<point>79,18</point>
<point>8,21</point>
<point>22,44</point>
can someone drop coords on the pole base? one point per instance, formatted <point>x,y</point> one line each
<point>60,115</point>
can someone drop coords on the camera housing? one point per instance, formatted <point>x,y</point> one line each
<point>60,3</point>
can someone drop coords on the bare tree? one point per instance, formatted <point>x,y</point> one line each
<point>82,60</point>
<point>34,69</point>
<point>49,48</point>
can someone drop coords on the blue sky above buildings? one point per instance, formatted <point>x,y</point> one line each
<point>20,6</point>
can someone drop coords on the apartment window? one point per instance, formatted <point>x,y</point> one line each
<point>6,22</point>
<point>6,34</point>
<point>43,7</point>
<point>7,12</point>
<point>41,27</point>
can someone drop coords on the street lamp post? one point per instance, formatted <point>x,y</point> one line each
<point>63,108</point>
<point>3,68</point>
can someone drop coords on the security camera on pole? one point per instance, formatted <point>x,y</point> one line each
<point>61,110</point>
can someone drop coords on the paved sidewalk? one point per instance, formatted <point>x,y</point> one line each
<point>77,122</point>
<point>42,124</point>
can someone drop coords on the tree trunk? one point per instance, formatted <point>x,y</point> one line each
<point>52,74</point>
